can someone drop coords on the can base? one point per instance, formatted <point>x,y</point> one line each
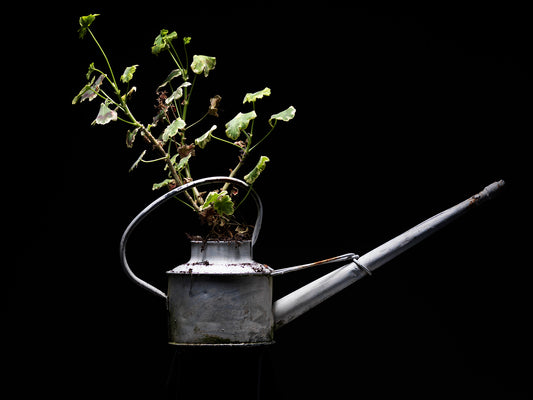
<point>249,344</point>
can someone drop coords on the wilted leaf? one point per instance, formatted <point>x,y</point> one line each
<point>252,97</point>
<point>162,41</point>
<point>173,74</point>
<point>137,161</point>
<point>238,124</point>
<point>173,128</point>
<point>82,92</point>
<point>213,105</point>
<point>285,115</point>
<point>90,71</point>
<point>95,88</point>
<point>185,149</point>
<point>177,93</point>
<point>128,74</point>
<point>130,137</point>
<point>165,183</point>
<point>90,90</point>
<point>85,22</point>
<point>203,64</point>
<point>254,173</point>
<point>126,96</point>
<point>183,162</point>
<point>105,115</point>
<point>205,138</point>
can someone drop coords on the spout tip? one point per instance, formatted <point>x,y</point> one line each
<point>487,192</point>
<point>494,187</point>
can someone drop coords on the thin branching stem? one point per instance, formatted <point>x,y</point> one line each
<point>114,83</point>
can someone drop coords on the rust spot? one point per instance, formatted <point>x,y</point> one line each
<point>327,260</point>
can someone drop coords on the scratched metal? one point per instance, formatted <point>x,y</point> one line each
<point>220,296</point>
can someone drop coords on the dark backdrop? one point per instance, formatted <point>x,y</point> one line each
<point>400,114</point>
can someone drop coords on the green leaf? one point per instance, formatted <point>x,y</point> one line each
<point>105,115</point>
<point>162,41</point>
<point>238,124</point>
<point>224,205</point>
<point>173,74</point>
<point>203,64</point>
<point>163,184</point>
<point>172,129</point>
<point>177,93</point>
<point>85,22</point>
<point>137,161</point>
<point>186,40</point>
<point>285,115</point>
<point>254,173</point>
<point>205,138</point>
<point>211,197</point>
<point>252,97</point>
<point>183,162</point>
<point>128,74</point>
<point>221,202</point>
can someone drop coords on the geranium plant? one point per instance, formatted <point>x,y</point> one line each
<point>169,138</point>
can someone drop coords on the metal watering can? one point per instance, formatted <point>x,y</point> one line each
<point>221,296</point>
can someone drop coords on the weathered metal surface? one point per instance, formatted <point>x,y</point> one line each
<point>298,302</point>
<point>220,296</point>
<point>344,257</point>
<point>221,258</point>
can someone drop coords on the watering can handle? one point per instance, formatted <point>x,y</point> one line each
<point>169,195</point>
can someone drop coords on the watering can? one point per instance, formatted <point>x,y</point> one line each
<point>221,296</point>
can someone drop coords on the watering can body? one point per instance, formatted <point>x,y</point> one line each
<point>221,296</point>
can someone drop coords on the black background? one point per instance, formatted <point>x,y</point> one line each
<point>401,113</point>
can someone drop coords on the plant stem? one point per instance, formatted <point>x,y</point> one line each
<point>157,144</point>
<point>264,137</point>
<point>187,96</point>
<point>178,61</point>
<point>184,202</point>
<point>107,61</point>
<point>194,123</point>
<point>225,141</point>
<point>245,197</point>
<point>169,163</point>
<point>237,167</point>
<point>126,121</point>
<point>146,132</point>
<point>155,160</point>
<point>253,121</point>
<point>177,105</point>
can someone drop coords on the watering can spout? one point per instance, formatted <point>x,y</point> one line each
<point>298,302</point>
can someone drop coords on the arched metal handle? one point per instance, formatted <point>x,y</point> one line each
<point>163,199</point>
